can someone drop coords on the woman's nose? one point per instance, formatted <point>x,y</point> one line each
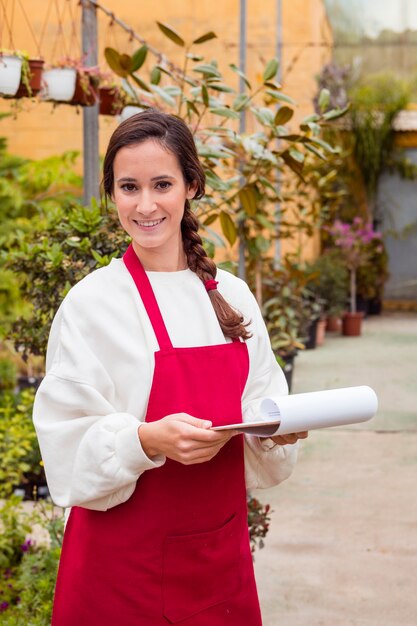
<point>146,204</point>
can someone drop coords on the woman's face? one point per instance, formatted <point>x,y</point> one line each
<point>150,194</point>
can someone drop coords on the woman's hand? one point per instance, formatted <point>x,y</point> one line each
<point>283,440</point>
<point>183,438</point>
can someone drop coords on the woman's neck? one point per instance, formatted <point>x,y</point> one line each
<point>154,261</point>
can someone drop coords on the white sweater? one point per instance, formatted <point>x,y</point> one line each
<point>99,370</point>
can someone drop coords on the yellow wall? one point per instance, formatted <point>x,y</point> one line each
<point>40,129</point>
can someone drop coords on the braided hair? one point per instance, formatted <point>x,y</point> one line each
<point>172,133</point>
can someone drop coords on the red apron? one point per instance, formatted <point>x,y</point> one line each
<point>178,550</point>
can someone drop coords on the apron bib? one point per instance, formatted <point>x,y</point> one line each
<point>177,552</point>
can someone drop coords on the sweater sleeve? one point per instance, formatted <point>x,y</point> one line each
<point>266,464</point>
<point>91,451</point>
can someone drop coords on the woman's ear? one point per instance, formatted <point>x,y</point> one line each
<point>192,190</point>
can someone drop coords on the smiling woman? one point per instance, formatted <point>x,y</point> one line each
<point>144,357</point>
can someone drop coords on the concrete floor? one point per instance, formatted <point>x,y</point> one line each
<point>342,547</point>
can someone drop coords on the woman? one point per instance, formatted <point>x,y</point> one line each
<point>144,356</point>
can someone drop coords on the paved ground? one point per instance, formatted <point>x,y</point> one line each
<point>342,549</point>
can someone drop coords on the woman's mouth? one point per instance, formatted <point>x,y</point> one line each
<point>149,224</point>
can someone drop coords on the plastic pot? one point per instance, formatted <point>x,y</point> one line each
<point>10,73</point>
<point>59,84</point>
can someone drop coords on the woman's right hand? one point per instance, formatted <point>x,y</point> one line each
<point>183,438</point>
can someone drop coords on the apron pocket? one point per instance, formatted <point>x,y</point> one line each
<point>200,570</point>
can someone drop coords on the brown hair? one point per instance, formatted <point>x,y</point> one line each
<point>172,133</point>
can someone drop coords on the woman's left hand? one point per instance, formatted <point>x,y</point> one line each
<point>283,440</point>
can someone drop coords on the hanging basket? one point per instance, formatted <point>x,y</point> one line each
<point>59,84</point>
<point>10,73</point>
<point>84,95</point>
<point>111,101</point>
<point>32,86</point>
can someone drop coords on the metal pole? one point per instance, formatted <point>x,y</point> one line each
<point>90,113</point>
<point>277,251</point>
<point>242,124</point>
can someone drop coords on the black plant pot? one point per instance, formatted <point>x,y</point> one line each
<point>27,382</point>
<point>288,367</point>
<point>310,343</point>
<point>375,306</point>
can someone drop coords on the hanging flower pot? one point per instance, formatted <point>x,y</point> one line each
<point>31,79</point>
<point>10,73</point>
<point>86,93</point>
<point>352,324</point>
<point>59,84</point>
<point>111,101</point>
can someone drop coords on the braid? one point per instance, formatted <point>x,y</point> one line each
<point>231,321</point>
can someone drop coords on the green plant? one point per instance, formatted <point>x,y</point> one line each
<point>69,244</point>
<point>28,568</point>
<point>376,101</point>
<point>241,168</point>
<point>328,278</point>
<point>19,449</point>
<point>8,373</point>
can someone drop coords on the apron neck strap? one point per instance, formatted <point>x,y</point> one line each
<point>144,287</point>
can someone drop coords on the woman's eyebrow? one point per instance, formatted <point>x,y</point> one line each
<point>126,179</point>
<point>163,176</point>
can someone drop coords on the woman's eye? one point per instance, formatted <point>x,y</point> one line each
<point>163,184</point>
<point>128,187</point>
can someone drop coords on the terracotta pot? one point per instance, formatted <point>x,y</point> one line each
<point>352,324</point>
<point>84,94</point>
<point>320,332</point>
<point>35,80</point>
<point>110,102</point>
<point>334,324</point>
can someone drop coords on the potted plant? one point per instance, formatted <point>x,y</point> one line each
<point>354,241</point>
<point>10,72</point>
<point>328,278</point>
<point>59,80</point>
<point>31,78</point>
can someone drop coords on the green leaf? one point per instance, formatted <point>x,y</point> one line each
<point>208,70</point>
<point>324,99</point>
<point>140,83</point>
<point>272,85</point>
<point>138,58</point>
<point>160,91</point>
<point>155,76</point>
<point>204,95</point>
<point>228,227</point>
<point>113,61</point>
<point>171,34</point>
<point>224,112</point>
<point>278,95</point>
<point>315,151</point>
<point>270,70</point>
<point>334,114</point>
<point>283,115</point>
<point>292,163</point>
<point>220,87</point>
<point>247,197</point>
<point>241,102</point>
<point>206,37</point>
<point>194,57</point>
<point>126,63</point>
<point>210,219</point>
<point>241,74</point>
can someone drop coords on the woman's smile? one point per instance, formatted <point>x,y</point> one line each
<point>149,225</point>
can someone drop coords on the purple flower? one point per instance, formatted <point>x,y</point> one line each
<point>25,547</point>
<point>4,606</point>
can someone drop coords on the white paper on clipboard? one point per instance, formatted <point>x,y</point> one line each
<point>282,415</point>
